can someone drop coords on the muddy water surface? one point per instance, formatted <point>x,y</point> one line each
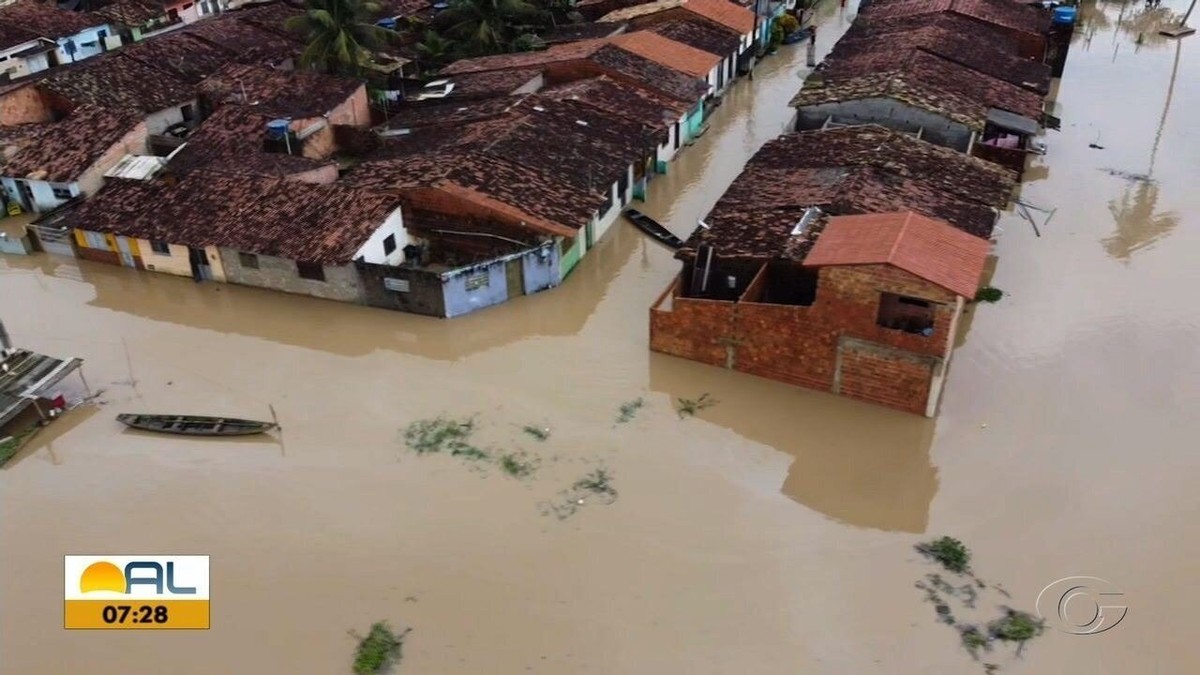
<point>772,534</point>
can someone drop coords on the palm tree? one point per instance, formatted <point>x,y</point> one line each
<point>434,51</point>
<point>489,26</point>
<point>340,35</point>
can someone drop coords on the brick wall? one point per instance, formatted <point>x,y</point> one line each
<point>806,345</point>
<point>341,282</point>
<point>424,294</point>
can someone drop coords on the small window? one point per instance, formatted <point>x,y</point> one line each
<point>61,192</point>
<point>160,247</point>
<point>389,244</point>
<point>478,280</point>
<point>312,271</point>
<point>249,261</point>
<point>911,315</point>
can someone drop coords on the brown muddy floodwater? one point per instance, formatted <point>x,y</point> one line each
<point>771,534</point>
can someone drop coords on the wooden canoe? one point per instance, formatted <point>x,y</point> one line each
<point>196,425</point>
<point>651,227</point>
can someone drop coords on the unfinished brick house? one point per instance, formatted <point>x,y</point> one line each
<point>839,261</point>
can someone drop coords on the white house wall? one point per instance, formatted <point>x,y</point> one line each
<point>87,44</point>
<point>372,250</point>
<point>157,123</point>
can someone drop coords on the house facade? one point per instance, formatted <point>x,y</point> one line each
<point>869,311</point>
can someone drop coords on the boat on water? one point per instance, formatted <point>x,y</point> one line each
<point>651,228</point>
<point>196,425</point>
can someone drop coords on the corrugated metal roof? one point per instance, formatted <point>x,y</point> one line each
<point>138,167</point>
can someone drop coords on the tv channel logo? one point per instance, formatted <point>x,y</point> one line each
<point>136,592</point>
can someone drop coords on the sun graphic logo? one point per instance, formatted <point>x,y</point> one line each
<point>136,591</point>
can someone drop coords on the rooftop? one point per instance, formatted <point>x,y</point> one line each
<point>582,31</point>
<point>60,152</point>
<point>698,34</point>
<point>754,218</point>
<point>931,73</point>
<point>117,81</point>
<point>651,74</point>
<point>282,93</point>
<point>181,55</point>
<point>249,42</point>
<point>570,51</point>
<point>667,52</point>
<point>1004,13</point>
<point>736,18</point>
<point>492,83</point>
<point>652,110</point>
<point>12,35</point>
<point>298,221</point>
<point>448,112</point>
<point>132,12</point>
<point>872,45</point>
<point>231,140</point>
<point>928,248</point>
<point>47,20</point>
<point>913,91</point>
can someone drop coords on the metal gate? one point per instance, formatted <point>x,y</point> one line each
<point>56,240</point>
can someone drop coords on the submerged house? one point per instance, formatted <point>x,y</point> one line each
<point>521,195</point>
<point>267,232</point>
<point>838,260</point>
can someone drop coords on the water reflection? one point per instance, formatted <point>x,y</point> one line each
<point>858,464</point>
<point>339,328</point>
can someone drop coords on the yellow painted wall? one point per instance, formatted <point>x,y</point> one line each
<point>175,263</point>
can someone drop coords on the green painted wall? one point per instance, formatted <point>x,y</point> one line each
<point>570,257</point>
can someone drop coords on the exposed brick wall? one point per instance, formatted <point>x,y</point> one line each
<point>97,255</point>
<point>881,375</point>
<point>804,345</point>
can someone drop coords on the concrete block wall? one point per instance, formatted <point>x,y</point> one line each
<point>342,282</point>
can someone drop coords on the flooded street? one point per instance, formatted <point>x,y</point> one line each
<point>772,533</point>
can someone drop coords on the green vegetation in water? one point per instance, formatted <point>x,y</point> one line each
<point>1016,626</point>
<point>629,410</point>
<point>948,551</point>
<point>539,433</point>
<point>9,447</point>
<point>989,294</point>
<point>378,649</point>
<point>518,464</point>
<point>595,486</point>
<point>973,639</point>
<point>440,434</point>
<point>689,407</point>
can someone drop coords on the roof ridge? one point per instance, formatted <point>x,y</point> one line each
<point>891,256</point>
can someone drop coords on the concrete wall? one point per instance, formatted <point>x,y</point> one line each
<point>890,113</point>
<point>472,288</point>
<point>372,250</point>
<point>411,290</point>
<point>342,282</point>
<point>175,262</point>
<point>157,122</point>
<point>42,191</point>
<point>832,345</point>
<point>187,10</point>
<point>24,105</point>
<point>87,44</point>
<point>21,66</point>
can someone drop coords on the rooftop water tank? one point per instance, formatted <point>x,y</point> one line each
<point>277,129</point>
<point>1064,15</point>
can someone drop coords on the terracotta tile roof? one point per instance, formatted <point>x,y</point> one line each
<point>755,216</point>
<point>251,43</point>
<point>582,31</point>
<point>491,83</point>
<point>61,151</point>
<point>630,11</point>
<point>298,221</point>
<point>282,93</point>
<point>12,35</point>
<point>650,74</point>
<point>187,58</point>
<point>116,81</point>
<point>546,162</point>
<point>871,46</point>
<point>1005,13</point>
<point>949,104</point>
<point>47,20</point>
<point>231,140</point>
<point>571,51</point>
<point>270,17</point>
<point>132,12</point>
<point>733,16</point>
<point>700,35</point>
<point>930,249</point>
<point>653,111</point>
<point>954,172</point>
<point>667,52</point>
<point>448,113</point>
